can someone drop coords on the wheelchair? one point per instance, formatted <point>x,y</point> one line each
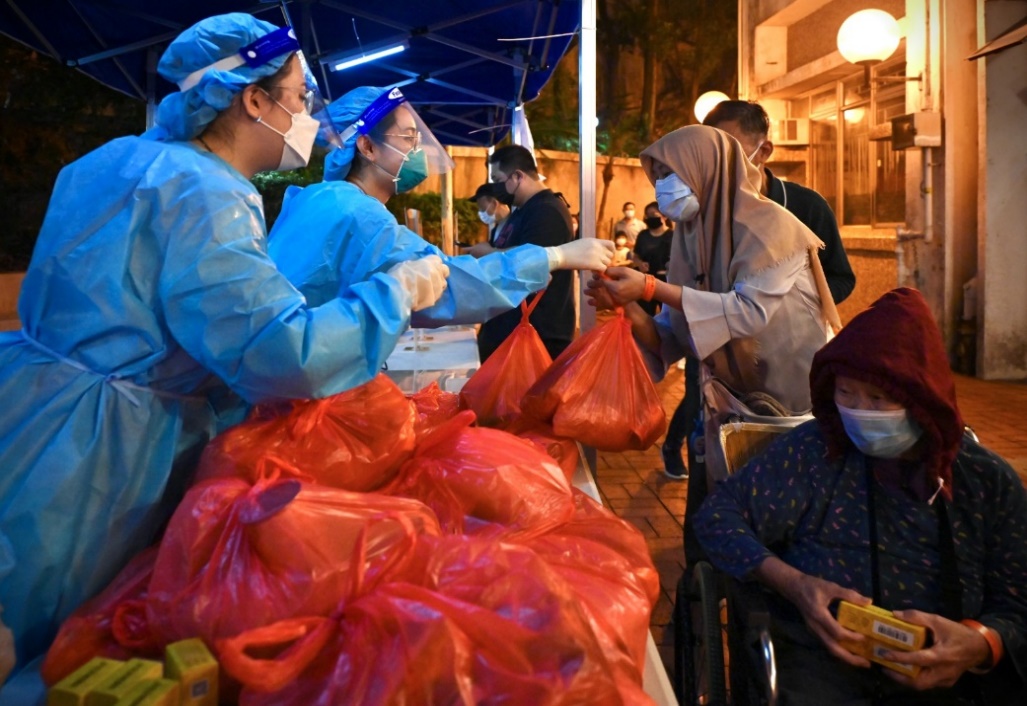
<point>723,653</point>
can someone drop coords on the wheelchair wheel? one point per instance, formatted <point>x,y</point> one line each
<point>752,676</point>
<point>699,650</point>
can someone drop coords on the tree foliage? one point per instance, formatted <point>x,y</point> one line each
<point>273,185</point>
<point>655,57</point>
<point>468,227</point>
<point>690,46</point>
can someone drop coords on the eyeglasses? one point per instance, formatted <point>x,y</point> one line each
<point>307,95</point>
<point>414,139</point>
<point>497,180</point>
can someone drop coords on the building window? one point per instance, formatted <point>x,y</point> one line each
<point>863,180</point>
<point>890,194</point>
<point>823,146</point>
<point>857,176</point>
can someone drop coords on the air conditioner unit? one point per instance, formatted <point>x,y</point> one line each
<point>791,131</point>
<point>921,129</point>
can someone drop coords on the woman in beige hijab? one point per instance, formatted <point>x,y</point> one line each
<point>743,284</point>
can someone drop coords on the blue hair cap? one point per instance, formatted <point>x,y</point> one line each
<point>344,112</point>
<point>206,63</point>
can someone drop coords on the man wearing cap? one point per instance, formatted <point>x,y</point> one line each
<point>541,218</point>
<point>493,204</point>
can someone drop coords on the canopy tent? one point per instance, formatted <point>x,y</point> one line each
<point>466,64</point>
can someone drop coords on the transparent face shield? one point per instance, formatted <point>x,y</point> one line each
<point>271,46</point>
<point>317,107</point>
<point>405,133</point>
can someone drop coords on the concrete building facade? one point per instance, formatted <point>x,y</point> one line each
<point>923,158</point>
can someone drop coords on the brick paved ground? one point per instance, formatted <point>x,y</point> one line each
<point>633,485</point>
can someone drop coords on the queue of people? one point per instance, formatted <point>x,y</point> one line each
<point>156,310</point>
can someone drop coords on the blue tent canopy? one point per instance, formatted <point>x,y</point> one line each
<point>466,63</point>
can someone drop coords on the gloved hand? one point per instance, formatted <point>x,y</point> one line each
<point>424,280</point>
<point>582,254</point>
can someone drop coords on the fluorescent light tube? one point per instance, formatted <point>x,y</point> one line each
<point>352,61</point>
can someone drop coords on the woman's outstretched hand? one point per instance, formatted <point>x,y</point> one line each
<point>622,284</point>
<point>597,294</point>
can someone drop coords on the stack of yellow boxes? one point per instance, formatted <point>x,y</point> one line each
<point>883,632</point>
<point>188,677</point>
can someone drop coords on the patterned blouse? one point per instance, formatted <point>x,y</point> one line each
<point>811,511</point>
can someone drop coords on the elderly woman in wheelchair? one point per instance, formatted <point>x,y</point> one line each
<point>882,500</point>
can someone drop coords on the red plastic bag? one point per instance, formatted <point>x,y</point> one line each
<point>607,563</point>
<point>236,556</point>
<point>110,625</point>
<point>599,392</point>
<point>494,392</point>
<point>562,450</point>
<point>474,478</point>
<point>433,407</point>
<point>354,440</point>
<point>493,625</point>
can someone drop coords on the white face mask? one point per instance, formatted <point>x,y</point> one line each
<point>675,199</point>
<point>299,139</point>
<point>487,218</point>
<point>882,434</point>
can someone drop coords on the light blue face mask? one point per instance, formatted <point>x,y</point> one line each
<point>881,434</point>
<point>412,170</point>
<point>675,199</point>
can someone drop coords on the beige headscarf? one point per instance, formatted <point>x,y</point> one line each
<point>738,232</point>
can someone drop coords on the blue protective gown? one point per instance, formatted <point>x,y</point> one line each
<point>151,314</point>
<point>332,235</point>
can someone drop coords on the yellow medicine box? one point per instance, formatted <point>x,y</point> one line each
<point>74,688</point>
<point>884,632</point>
<point>153,692</point>
<point>191,664</point>
<point>120,681</point>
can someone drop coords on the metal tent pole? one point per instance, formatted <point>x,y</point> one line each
<point>587,153</point>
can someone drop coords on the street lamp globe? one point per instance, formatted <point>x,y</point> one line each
<point>707,102</point>
<point>868,36</point>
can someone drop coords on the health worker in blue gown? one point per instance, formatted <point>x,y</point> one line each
<point>152,314</point>
<point>337,233</point>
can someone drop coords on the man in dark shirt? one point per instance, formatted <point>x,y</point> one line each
<point>541,218</point>
<point>748,123</point>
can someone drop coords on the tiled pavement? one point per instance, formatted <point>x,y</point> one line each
<point>633,485</point>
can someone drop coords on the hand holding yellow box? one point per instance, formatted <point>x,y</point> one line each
<point>883,632</point>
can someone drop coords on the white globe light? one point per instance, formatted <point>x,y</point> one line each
<point>868,36</point>
<point>854,116</point>
<point>707,102</point>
